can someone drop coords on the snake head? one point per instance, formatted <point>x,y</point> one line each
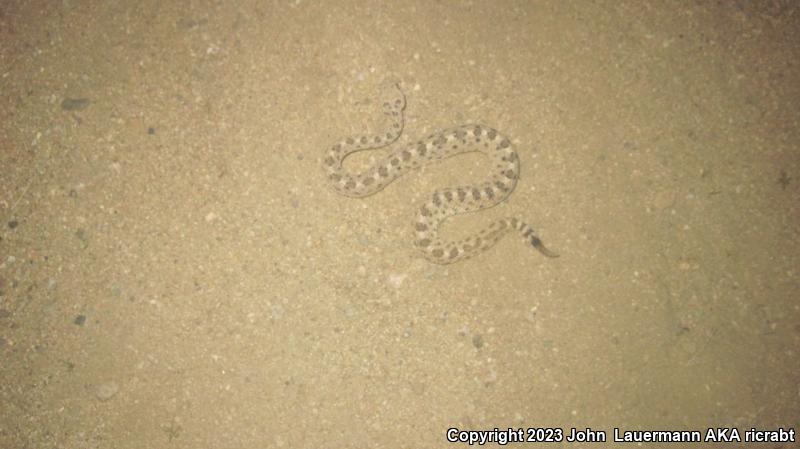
<point>392,96</point>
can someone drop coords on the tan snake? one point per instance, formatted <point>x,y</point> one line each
<point>445,202</point>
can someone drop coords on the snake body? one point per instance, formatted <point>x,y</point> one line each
<point>445,202</point>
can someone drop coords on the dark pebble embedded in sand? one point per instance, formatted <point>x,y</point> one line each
<point>13,224</point>
<point>80,320</point>
<point>74,104</point>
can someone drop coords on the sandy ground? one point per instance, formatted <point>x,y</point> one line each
<point>175,272</point>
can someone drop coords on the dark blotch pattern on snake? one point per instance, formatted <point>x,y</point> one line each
<point>443,203</point>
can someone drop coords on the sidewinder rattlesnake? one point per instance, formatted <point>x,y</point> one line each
<point>445,202</point>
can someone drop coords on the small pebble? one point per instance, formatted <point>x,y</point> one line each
<point>74,104</point>
<point>151,130</point>
<point>13,224</point>
<point>477,341</point>
<point>397,279</point>
<point>363,239</point>
<point>80,320</point>
<point>664,199</point>
<point>107,390</point>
